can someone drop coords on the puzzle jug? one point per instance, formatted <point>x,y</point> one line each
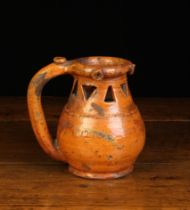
<point>100,132</point>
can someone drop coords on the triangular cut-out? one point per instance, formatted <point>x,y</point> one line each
<point>88,90</point>
<point>124,88</point>
<point>109,95</point>
<point>75,88</point>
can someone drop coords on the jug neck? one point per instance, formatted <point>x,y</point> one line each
<point>108,90</point>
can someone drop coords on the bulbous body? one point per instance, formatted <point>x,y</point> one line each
<point>100,131</point>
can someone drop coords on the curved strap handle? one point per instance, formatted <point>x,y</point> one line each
<point>36,112</point>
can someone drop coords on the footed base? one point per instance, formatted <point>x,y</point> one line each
<point>110,175</point>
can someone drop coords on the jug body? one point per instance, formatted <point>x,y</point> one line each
<point>100,131</point>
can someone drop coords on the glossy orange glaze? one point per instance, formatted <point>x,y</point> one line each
<point>100,131</point>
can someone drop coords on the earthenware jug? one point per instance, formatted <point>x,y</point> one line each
<point>100,131</point>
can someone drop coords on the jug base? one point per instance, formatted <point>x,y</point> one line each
<point>90,175</point>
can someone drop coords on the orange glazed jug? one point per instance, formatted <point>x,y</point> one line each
<point>100,131</point>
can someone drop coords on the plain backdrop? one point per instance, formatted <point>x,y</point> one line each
<point>152,34</point>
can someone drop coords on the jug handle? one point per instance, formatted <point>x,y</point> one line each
<point>36,112</point>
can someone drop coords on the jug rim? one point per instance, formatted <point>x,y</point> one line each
<point>103,61</point>
<point>100,67</point>
<point>97,67</point>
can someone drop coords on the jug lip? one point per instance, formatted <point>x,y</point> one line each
<point>103,61</point>
<point>99,67</point>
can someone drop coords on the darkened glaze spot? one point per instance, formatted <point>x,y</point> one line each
<point>131,108</point>
<point>103,135</point>
<point>68,63</point>
<point>86,167</point>
<point>98,108</point>
<point>119,147</point>
<point>109,157</point>
<point>39,83</point>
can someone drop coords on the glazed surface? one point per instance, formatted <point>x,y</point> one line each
<point>100,132</point>
<point>99,136</point>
